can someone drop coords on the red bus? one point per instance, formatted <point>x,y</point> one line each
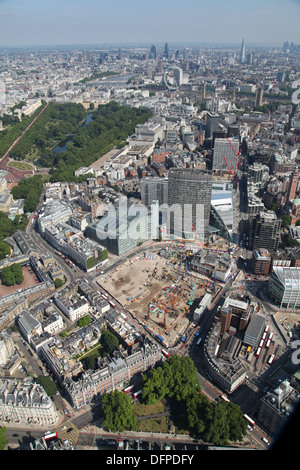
<point>271,359</point>
<point>249,419</point>
<point>258,352</point>
<point>165,353</point>
<point>225,398</point>
<point>136,394</point>
<point>50,435</point>
<point>128,389</point>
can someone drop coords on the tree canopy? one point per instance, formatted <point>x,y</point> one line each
<point>118,412</point>
<point>176,378</point>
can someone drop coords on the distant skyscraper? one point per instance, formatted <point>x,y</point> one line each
<point>243,53</point>
<point>152,54</point>
<point>259,96</point>
<point>190,190</point>
<point>167,50</point>
<point>286,46</point>
<point>178,76</point>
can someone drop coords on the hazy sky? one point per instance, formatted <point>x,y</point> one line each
<point>54,22</point>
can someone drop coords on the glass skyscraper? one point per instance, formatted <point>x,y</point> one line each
<point>189,195</point>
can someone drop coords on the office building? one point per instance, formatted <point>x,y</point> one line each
<point>178,76</point>
<point>122,230</point>
<point>254,331</point>
<point>284,286</point>
<point>25,402</point>
<point>190,190</point>
<point>154,189</point>
<point>166,50</point>
<point>152,54</point>
<point>277,406</point>
<point>259,96</point>
<point>234,314</point>
<point>226,370</point>
<point>225,154</point>
<point>212,124</point>
<point>265,231</point>
<point>111,376</point>
<point>261,262</point>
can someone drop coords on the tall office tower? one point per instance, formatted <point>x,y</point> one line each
<point>178,76</point>
<point>212,124</point>
<point>249,58</point>
<point>160,66</point>
<point>225,154</point>
<point>243,53</point>
<point>265,231</point>
<point>286,46</point>
<point>166,50</point>
<point>203,91</point>
<point>152,54</point>
<point>292,189</point>
<point>189,201</point>
<point>154,189</point>
<point>259,96</point>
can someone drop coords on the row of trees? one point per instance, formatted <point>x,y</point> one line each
<point>176,380</point>
<point>111,125</point>
<point>56,122</point>
<point>12,275</point>
<point>15,129</point>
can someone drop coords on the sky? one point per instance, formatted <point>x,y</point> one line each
<point>66,22</point>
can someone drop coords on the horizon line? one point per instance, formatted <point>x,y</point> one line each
<point>145,43</point>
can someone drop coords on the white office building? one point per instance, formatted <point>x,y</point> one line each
<point>284,286</point>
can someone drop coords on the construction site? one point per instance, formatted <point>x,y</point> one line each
<point>160,291</point>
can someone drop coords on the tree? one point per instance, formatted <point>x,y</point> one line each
<point>58,283</point>
<point>286,220</point>
<point>109,342</point>
<point>84,321</point>
<point>181,377</point>
<point>17,271</point>
<point>177,379</point>
<point>154,387</point>
<point>4,249</point>
<point>8,277</point>
<point>118,412</point>
<point>3,440</point>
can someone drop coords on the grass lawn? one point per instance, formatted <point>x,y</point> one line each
<point>23,166</point>
<point>155,424</point>
<point>159,424</point>
<point>140,409</point>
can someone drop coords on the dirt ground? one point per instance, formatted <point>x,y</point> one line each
<point>29,280</point>
<point>141,281</point>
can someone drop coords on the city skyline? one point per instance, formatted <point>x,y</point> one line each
<point>38,23</point>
